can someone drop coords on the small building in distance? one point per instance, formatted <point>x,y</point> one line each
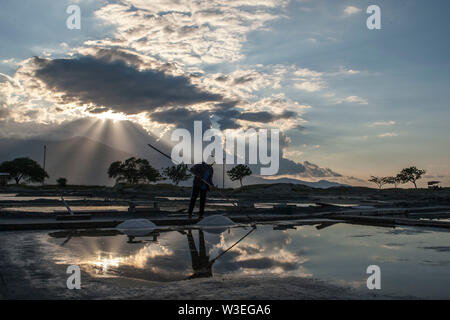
<point>433,184</point>
<point>4,177</point>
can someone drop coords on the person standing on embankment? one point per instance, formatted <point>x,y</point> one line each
<point>203,173</point>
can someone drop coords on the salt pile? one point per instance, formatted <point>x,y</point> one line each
<point>136,227</point>
<point>215,224</point>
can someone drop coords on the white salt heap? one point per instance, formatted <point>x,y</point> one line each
<point>215,224</point>
<point>216,221</point>
<point>136,224</point>
<point>136,227</point>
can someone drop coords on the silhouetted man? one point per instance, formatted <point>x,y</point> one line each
<point>200,260</point>
<point>203,180</point>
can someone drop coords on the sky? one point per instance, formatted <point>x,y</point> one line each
<point>360,102</point>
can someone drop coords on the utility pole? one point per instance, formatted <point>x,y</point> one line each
<point>45,155</point>
<point>223,165</point>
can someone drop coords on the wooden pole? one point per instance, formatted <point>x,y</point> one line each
<point>45,156</point>
<point>223,165</point>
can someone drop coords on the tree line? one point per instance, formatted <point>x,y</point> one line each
<point>411,174</point>
<point>135,170</point>
<point>130,171</point>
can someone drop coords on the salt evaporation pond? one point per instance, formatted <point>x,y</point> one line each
<point>414,262</point>
<point>15,197</point>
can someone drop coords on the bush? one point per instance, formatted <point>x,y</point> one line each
<point>62,182</point>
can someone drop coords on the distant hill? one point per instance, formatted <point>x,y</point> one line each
<point>323,184</point>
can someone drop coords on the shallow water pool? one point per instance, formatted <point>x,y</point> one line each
<point>414,262</point>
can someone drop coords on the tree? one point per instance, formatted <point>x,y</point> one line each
<point>115,170</point>
<point>380,181</point>
<point>62,182</point>
<point>177,173</point>
<point>239,172</point>
<point>411,174</point>
<point>398,180</point>
<point>133,170</point>
<point>24,168</point>
<point>393,180</point>
<point>148,173</point>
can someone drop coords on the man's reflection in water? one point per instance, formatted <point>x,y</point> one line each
<point>201,264</point>
<point>200,260</point>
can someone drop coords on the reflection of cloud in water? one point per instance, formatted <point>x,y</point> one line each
<point>438,249</point>
<point>170,259</point>
<point>442,263</point>
<point>407,231</point>
<point>114,257</point>
<point>395,244</point>
<point>361,236</point>
<point>247,249</point>
<point>387,259</point>
<point>261,253</point>
<point>391,246</point>
<point>355,284</point>
<point>148,263</point>
<point>137,260</point>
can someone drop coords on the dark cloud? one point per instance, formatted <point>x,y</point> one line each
<point>309,169</point>
<point>265,117</point>
<point>182,117</point>
<point>111,80</point>
<point>186,30</point>
<point>243,79</point>
<point>229,115</point>
<point>97,109</point>
<point>195,75</point>
<point>226,105</point>
<point>117,85</point>
<point>228,123</point>
<point>289,167</point>
<point>438,249</point>
<point>222,78</point>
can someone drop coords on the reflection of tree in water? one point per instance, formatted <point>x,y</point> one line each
<point>201,265</point>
